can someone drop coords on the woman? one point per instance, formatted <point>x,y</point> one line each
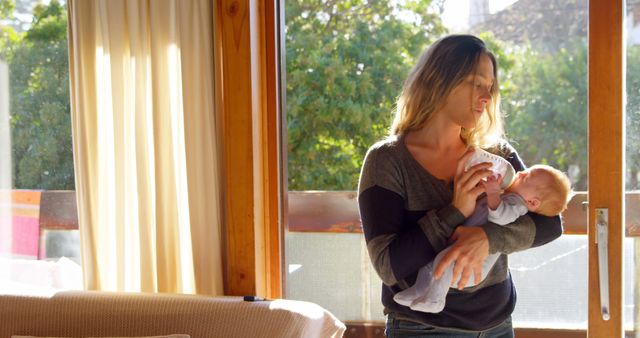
<point>414,192</point>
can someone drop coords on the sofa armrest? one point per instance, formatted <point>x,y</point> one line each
<point>94,313</point>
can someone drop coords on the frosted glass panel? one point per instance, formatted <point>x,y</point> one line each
<point>329,270</point>
<point>552,284</point>
<point>551,280</point>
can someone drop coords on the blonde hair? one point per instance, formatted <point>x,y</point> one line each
<point>441,68</point>
<point>555,193</point>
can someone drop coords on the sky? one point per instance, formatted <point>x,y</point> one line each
<point>456,12</point>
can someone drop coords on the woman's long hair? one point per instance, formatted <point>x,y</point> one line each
<point>441,68</point>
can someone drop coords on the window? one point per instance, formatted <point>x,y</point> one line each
<point>39,245</point>
<point>345,67</point>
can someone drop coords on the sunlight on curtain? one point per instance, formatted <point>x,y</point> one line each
<point>146,145</point>
<point>177,124</point>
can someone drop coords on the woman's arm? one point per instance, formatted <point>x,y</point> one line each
<point>397,250</point>
<point>401,241</point>
<point>473,244</point>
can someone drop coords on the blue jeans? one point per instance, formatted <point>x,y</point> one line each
<point>405,328</point>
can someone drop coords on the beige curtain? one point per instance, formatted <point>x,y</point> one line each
<point>145,145</point>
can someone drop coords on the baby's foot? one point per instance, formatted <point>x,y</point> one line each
<point>425,304</point>
<point>405,297</point>
<point>423,282</point>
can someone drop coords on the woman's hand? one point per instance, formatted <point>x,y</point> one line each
<point>466,187</point>
<point>469,250</point>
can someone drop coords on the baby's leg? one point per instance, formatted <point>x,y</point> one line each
<point>427,294</point>
<point>430,297</point>
<point>424,278</point>
<point>433,297</point>
<point>488,264</point>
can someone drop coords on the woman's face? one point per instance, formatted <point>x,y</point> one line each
<point>468,100</point>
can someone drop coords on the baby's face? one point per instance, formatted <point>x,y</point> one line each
<point>526,183</point>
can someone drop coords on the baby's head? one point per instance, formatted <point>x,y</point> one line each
<point>545,189</point>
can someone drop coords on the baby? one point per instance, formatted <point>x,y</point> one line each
<point>541,189</point>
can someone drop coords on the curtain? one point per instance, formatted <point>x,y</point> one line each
<point>146,145</point>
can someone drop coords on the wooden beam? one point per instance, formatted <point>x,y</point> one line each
<point>270,142</point>
<point>247,96</point>
<point>337,212</point>
<point>234,56</point>
<point>606,190</point>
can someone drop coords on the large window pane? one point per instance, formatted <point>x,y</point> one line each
<point>39,241</point>
<point>343,74</point>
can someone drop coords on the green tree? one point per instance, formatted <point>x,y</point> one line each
<point>546,108</point>
<point>39,107</point>
<point>6,8</point>
<point>345,65</point>
<point>633,118</point>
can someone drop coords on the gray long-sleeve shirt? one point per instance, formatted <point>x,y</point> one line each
<point>408,217</point>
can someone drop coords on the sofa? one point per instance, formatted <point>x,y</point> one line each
<point>115,314</point>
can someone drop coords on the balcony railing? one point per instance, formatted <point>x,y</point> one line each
<point>337,211</point>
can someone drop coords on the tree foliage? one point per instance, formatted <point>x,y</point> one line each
<point>6,8</point>
<point>346,62</point>
<point>39,107</point>
<point>546,109</point>
<point>345,66</point>
<point>633,118</point>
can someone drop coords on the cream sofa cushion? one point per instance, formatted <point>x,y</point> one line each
<point>113,314</point>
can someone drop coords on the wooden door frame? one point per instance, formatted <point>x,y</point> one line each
<point>606,157</point>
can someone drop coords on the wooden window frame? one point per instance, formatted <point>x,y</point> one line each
<point>247,99</point>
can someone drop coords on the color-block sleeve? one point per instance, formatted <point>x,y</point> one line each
<point>530,230</point>
<point>396,249</point>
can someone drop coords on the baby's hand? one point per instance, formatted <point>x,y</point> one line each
<point>492,184</point>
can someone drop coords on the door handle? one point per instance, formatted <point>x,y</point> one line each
<point>602,240</point>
